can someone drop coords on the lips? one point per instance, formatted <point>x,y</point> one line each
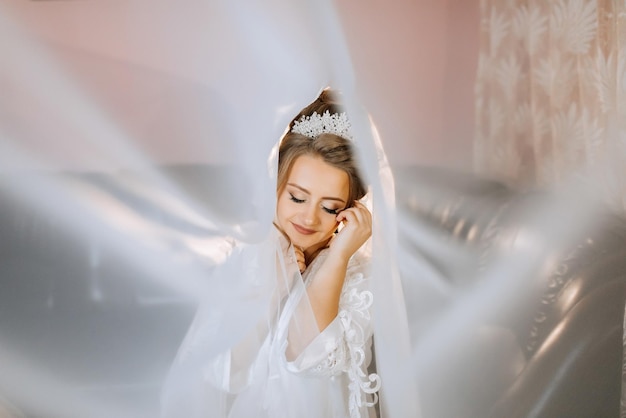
<point>302,230</point>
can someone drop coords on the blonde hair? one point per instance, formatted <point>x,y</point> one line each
<point>332,149</point>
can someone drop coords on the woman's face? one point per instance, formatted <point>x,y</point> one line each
<point>309,202</point>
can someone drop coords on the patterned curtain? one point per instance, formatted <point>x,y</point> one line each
<point>551,93</point>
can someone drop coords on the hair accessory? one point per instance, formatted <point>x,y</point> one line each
<point>315,125</point>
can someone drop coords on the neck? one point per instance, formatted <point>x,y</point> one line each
<point>312,252</point>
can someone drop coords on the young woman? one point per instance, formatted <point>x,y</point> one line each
<point>308,352</point>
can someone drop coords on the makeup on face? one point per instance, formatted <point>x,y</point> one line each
<point>308,204</point>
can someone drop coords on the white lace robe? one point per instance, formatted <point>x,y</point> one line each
<point>326,375</point>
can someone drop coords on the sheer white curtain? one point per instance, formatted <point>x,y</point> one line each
<point>550,93</point>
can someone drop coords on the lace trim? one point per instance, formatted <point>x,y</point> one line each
<point>349,355</point>
<point>357,304</point>
<point>336,357</point>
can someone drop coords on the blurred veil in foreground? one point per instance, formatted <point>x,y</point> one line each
<point>124,182</point>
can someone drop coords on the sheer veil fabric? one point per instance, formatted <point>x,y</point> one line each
<point>217,90</point>
<point>143,273</point>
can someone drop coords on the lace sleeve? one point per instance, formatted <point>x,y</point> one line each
<point>345,345</point>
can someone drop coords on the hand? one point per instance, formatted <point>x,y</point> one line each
<point>300,258</point>
<point>357,228</point>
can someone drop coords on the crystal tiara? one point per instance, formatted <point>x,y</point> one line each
<point>315,125</point>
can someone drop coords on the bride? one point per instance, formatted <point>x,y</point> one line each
<point>308,352</point>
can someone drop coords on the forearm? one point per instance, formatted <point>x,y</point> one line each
<point>325,289</point>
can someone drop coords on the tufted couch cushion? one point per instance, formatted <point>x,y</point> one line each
<point>565,359</point>
<point>556,351</point>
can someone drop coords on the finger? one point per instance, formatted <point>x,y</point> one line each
<point>354,215</point>
<point>364,214</point>
<point>347,215</point>
<point>344,213</point>
<point>360,206</point>
<point>357,218</point>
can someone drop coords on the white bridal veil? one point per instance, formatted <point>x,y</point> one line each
<point>125,182</point>
<point>135,239</point>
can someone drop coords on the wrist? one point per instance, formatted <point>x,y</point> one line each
<point>338,257</point>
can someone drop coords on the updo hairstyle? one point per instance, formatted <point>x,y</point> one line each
<point>332,149</point>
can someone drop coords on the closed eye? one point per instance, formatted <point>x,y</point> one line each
<point>327,210</point>
<point>295,199</point>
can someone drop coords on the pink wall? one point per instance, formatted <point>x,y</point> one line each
<point>462,48</point>
<point>417,59</point>
<point>421,63</point>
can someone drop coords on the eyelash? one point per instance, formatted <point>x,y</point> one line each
<point>329,211</point>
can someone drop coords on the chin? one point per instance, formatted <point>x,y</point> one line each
<point>300,242</point>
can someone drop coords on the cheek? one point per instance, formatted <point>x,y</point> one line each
<point>330,226</point>
<point>283,209</point>
<point>280,209</point>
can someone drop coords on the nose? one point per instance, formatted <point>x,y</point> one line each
<point>311,217</point>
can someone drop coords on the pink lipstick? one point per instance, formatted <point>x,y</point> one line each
<point>302,230</point>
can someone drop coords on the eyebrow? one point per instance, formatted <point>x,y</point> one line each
<point>308,192</point>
